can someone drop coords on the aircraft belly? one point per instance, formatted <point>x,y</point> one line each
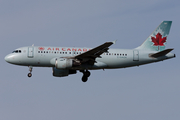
<point>99,65</point>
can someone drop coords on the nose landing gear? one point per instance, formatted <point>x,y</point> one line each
<point>85,76</point>
<point>30,70</point>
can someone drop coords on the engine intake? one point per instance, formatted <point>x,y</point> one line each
<point>63,63</point>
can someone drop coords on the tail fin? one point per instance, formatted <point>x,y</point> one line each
<point>157,40</point>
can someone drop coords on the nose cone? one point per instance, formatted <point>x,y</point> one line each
<point>13,59</point>
<point>7,58</point>
<point>10,58</point>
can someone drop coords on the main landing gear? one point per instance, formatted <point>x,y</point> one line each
<point>30,70</point>
<point>85,76</point>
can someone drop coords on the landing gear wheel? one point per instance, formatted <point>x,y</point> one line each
<point>30,70</point>
<point>84,78</point>
<point>29,75</point>
<point>86,74</point>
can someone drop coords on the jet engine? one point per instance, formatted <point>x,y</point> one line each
<point>62,72</point>
<point>64,63</point>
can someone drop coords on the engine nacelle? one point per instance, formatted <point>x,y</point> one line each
<point>63,63</point>
<point>62,72</point>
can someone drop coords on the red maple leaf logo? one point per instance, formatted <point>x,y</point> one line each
<point>158,41</point>
<point>41,48</point>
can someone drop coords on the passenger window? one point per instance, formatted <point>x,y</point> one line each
<point>41,51</point>
<point>69,52</point>
<point>38,51</point>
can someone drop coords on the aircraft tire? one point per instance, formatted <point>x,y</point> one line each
<point>84,78</point>
<point>29,75</point>
<point>87,73</point>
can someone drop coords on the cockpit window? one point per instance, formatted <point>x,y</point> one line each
<point>17,51</point>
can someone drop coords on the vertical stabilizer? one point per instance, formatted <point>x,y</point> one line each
<point>157,40</point>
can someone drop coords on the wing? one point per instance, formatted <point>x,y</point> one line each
<point>90,56</point>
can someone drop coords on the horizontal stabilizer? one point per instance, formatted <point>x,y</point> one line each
<point>162,53</point>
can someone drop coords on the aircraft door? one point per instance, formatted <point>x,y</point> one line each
<point>135,55</point>
<point>30,52</point>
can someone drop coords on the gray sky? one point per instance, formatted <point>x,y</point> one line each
<point>138,93</point>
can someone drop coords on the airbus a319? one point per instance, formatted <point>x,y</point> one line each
<point>68,60</point>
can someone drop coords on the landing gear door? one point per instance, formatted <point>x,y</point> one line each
<point>30,52</point>
<point>135,55</point>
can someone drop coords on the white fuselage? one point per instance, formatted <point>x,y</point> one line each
<point>114,58</point>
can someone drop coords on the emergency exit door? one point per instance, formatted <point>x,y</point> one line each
<point>135,55</point>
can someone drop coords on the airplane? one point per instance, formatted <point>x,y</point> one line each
<point>68,60</point>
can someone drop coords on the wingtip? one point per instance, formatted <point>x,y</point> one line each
<point>114,42</point>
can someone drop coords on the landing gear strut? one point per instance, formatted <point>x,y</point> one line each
<point>85,76</point>
<point>30,70</point>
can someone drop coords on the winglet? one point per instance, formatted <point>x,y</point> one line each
<point>114,42</point>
